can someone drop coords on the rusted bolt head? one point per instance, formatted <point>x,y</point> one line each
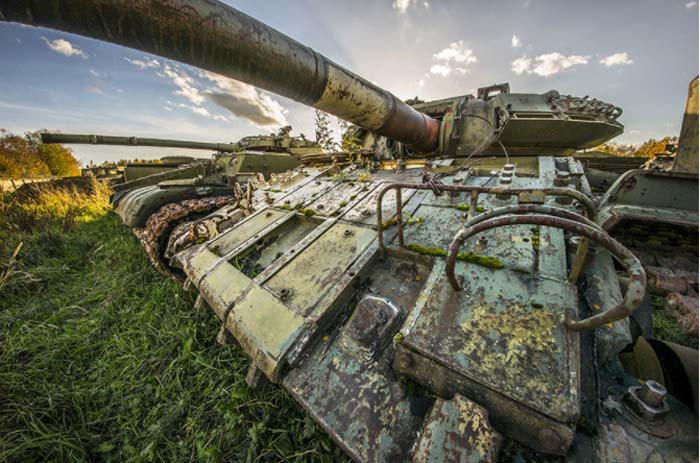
<point>647,401</point>
<point>347,233</point>
<point>404,360</point>
<point>653,393</point>
<point>562,178</point>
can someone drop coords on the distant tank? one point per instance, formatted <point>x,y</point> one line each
<point>187,188</point>
<point>450,288</point>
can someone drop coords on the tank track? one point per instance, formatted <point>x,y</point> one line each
<point>160,225</point>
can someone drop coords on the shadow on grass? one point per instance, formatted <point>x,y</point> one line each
<point>102,358</point>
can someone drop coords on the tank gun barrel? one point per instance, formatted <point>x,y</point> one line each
<point>218,38</point>
<point>134,141</point>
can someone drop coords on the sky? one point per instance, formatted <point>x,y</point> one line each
<point>638,54</point>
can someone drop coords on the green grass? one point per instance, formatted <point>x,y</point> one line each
<point>104,359</point>
<point>666,327</point>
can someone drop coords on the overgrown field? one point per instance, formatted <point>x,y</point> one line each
<point>102,358</point>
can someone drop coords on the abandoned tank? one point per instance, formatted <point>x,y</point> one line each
<point>153,198</point>
<point>451,288</point>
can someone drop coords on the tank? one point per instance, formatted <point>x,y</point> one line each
<point>448,289</point>
<point>153,197</point>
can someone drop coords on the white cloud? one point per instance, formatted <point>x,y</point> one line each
<point>515,42</point>
<point>145,63</point>
<point>548,64</point>
<point>521,65</point>
<point>457,53</point>
<point>553,63</point>
<point>690,5</point>
<point>64,47</point>
<point>402,5</point>
<point>440,70</point>
<point>617,59</point>
<point>421,83</point>
<point>185,83</point>
<point>94,73</point>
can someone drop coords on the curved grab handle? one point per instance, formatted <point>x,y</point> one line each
<point>579,259</point>
<point>637,276</point>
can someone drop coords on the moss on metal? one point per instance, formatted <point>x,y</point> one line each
<point>484,261</point>
<point>308,212</point>
<point>535,238</point>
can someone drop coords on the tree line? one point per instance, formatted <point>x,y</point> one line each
<point>26,157</point>
<point>648,149</point>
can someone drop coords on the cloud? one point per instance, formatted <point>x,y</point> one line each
<point>521,65</point>
<point>440,70</point>
<point>242,100</point>
<point>64,47</point>
<point>185,83</point>
<point>94,73</point>
<point>245,101</point>
<point>402,5</point>
<point>690,5</point>
<point>617,59</point>
<point>145,63</point>
<point>515,42</point>
<point>457,53</point>
<point>548,64</point>
<point>454,54</point>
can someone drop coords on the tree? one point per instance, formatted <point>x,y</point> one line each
<point>652,147</point>
<point>27,157</point>
<point>59,160</point>
<point>350,142</point>
<point>324,135</point>
<point>18,158</point>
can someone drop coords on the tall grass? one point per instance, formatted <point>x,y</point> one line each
<point>103,359</point>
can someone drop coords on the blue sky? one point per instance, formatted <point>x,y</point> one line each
<point>637,54</point>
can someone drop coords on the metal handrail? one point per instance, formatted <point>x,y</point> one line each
<point>475,192</point>
<point>637,276</point>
